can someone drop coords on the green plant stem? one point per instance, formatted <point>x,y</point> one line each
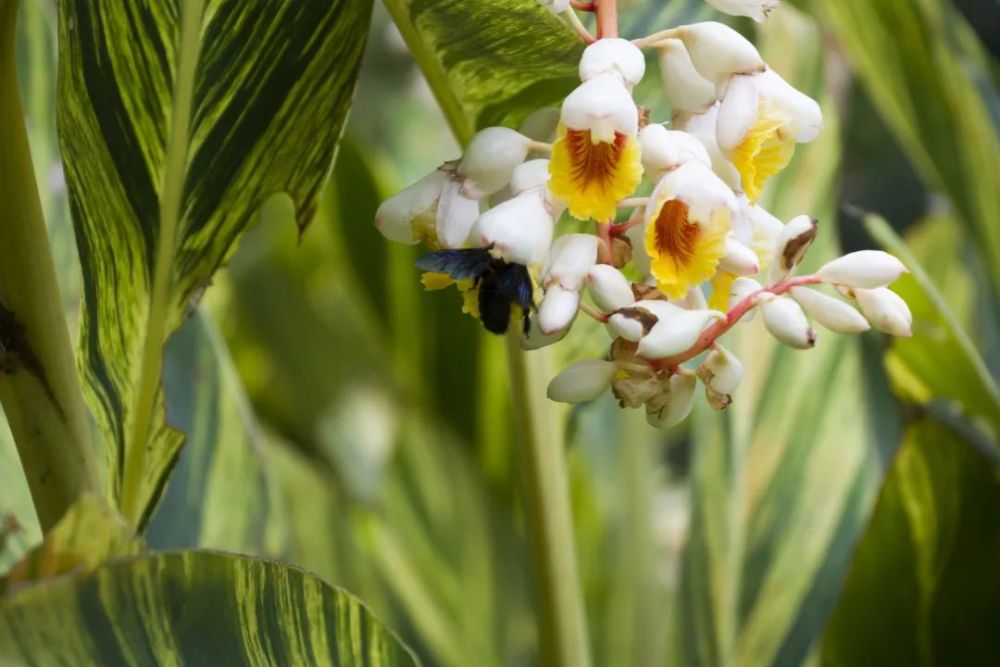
<point>562,620</point>
<point>39,386</point>
<point>172,192</point>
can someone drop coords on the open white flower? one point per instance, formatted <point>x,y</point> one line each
<point>687,91</point>
<point>761,118</point>
<point>758,10</point>
<point>596,159</point>
<point>409,216</point>
<point>616,56</point>
<point>687,219</point>
<point>718,52</point>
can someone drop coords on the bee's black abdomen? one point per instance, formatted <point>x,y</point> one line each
<point>494,307</point>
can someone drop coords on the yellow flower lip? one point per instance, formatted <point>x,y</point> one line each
<point>592,175</point>
<point>685,238</point>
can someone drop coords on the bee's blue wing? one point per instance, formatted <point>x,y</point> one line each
<point>515,284</point>
<point>459,264</point>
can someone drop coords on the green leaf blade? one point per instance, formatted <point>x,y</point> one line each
<point>176,126</point>
<point>195,607</point>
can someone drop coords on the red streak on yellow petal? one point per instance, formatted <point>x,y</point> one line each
<point>676,237</point>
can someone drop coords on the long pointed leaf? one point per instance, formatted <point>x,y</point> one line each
<point>177,120</point>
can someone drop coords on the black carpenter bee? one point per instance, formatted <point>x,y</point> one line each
<point>501,284</point>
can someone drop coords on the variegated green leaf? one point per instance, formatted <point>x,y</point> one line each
<point>177,120</point>
<point>923,585</point>
<point>89,533</point>
<point>939,367</point>
<point>221,494</point>
<point>489,63</point>
<point>784,481</point>
<point>193,608</point>
<point>924,70</point>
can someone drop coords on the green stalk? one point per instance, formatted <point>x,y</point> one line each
<point>561,618</point>
<point>562,632</point>
<point>174,169</point>
<point>39,387</point>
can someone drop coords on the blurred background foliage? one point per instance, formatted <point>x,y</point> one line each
<point>845,510</point>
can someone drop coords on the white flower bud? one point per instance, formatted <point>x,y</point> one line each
<point>758,10</point>
<point>664,150</point>
<point>609,288</point>
<point>570,258</point>
<point>398,215</point>
<point>687,90</point>
<point>555,6</point>
<point>534,339</point>
<point>532,174</point>
<point>742,288</point>
<point>832,313</point>
<point>886,310</point>
<point>793,242</point>
<point>718,52</point>
<point>602,105</point>
<point>702,126</point>
<point>633,322</point>
<point>786,321</point>
<point>557,310</point>
<point>613,56</point>
<point>764,232</point>
<point>583,381</point>
<point>867,269</point>
<point>456,214</point>
<point>693,300</point>
<point>490,160</point>
<point>722,373</point>
<point>673,405</point>
<point>519,229</point>
<point>676,334</point>
<point>739,259</point>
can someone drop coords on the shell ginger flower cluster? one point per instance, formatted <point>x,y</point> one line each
<point>667,274</point>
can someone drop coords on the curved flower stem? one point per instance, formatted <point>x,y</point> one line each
<point>607,18</point>
<point>581,30</point>
<point>735,314</point>
<point>583,6</point>
<point>656,38</point>
<point>562,621</point>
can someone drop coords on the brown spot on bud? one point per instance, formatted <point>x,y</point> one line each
<point>796,248</point>
<point>647,319</point>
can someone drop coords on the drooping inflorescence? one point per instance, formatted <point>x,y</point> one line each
<point>689,262</point>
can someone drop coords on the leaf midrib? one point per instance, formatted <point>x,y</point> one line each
<point>171,197</point>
